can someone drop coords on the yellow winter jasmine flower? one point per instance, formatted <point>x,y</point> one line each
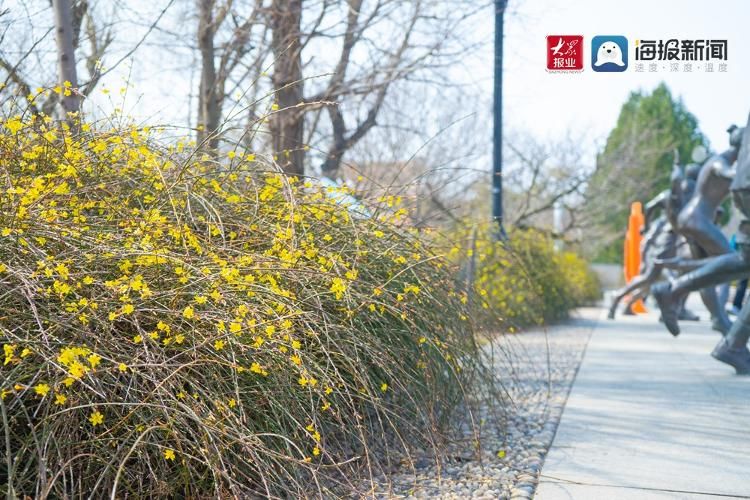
<point>96,418</point>
<point>338,287</point>
<point>122,367</point>
<point>383,387</point>
<point>169,454</point>
<point>188,312</point>
<point>60,399</point>
<point>14,124</point>
<point>219,345</point>
<point>128,309</point>
<point>41,389</point>
<point>94,360</point>
<point>9,350</point>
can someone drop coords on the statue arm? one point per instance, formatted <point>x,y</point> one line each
<point>658,202</point>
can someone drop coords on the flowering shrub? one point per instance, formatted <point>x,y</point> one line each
<point>176,325</point>
<point>525,280</point>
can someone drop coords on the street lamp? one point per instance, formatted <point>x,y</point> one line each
<point>497,139</point>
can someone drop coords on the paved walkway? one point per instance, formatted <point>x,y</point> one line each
<point>651,417</point>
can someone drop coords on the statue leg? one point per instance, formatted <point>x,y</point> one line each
<point>635,284</point>
<point>721,269</point>
<point>639,295</point>
<point>719,318</point>
<point>739,294</point>
<point>732,349</point>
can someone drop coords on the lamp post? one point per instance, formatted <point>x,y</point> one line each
<point>497,139</point>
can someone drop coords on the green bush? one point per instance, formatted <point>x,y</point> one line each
<point>177,325</point>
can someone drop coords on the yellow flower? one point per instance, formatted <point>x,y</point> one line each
<point>383,387</point>
<point>316,451</point>
<point>9,350</point>
<point>169,454</point>
<point>201,299</point>
<point>41,389</point>
<point>232,403</point>
<point>128,309</point>
<point>189,312</point>
<point>219,345</point>
<point>122,367</point>
<point>338,287</point>
<point>96,418</point>
<point>94,360</point>
<point>14,125</point>
<point>60,399</point>
<point>137,339</point>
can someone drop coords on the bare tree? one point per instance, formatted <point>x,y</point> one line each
<point>225,39</point>
<point>287,124</point>
<point>72,22</point>
<point>66,58</point>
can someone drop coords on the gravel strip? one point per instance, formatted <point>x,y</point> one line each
<point>514,442</point>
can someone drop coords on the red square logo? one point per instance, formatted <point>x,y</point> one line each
<point>565,53</point>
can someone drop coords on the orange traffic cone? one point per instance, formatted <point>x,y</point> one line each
<point>632,263</point>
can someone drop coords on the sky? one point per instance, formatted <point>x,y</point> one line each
<point>535,101</point>
<point>550,104</point>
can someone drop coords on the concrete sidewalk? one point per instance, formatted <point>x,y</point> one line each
<point>651,417</point>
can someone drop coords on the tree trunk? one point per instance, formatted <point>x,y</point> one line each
<point>209,100</point>
<point>66,60</point>
<point>287,123</point>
